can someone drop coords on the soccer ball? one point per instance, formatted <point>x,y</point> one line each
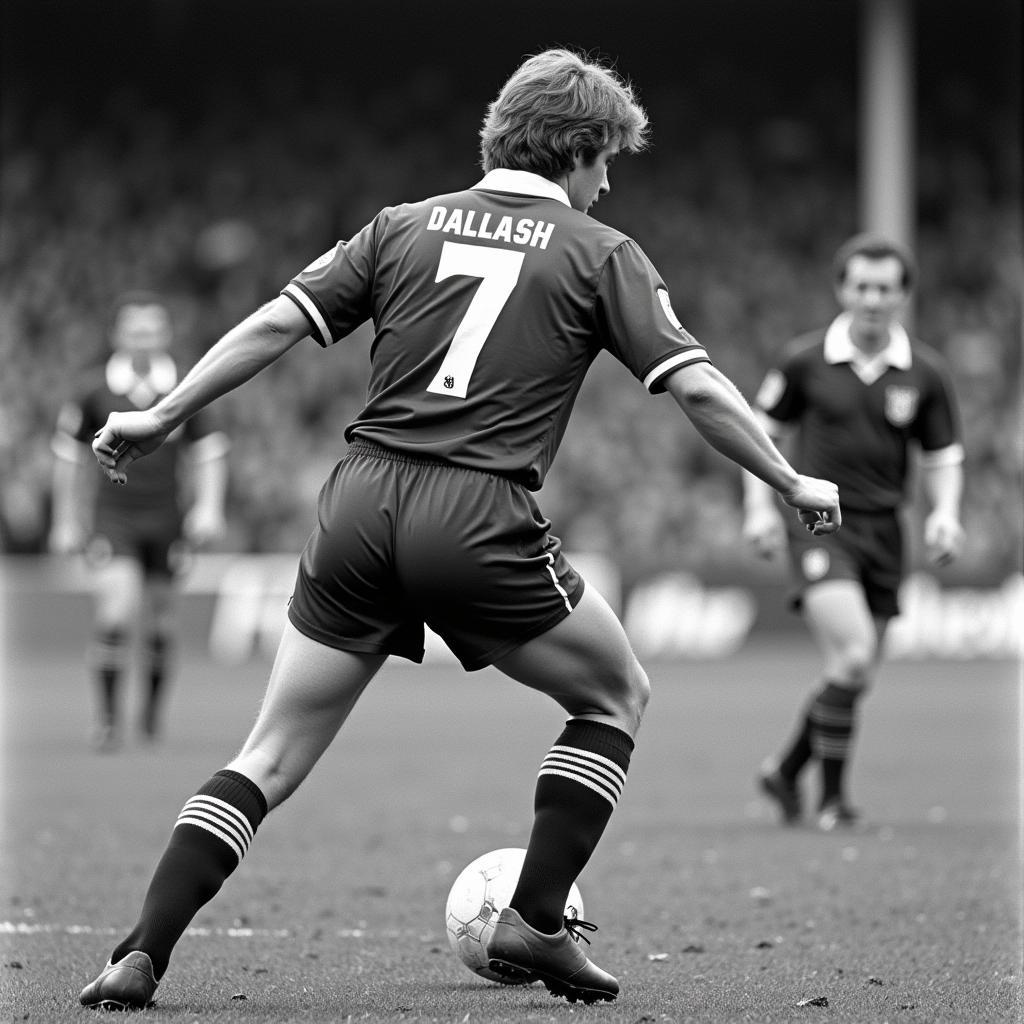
<point>480,893</point>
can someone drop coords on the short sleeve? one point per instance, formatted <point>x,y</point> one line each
<point>636,321</point>
<point>938,424</point>
<point>334,291</point>
<point>780,395</point>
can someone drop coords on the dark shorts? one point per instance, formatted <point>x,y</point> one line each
<point>155,544</point>
<point>401,542</point>
<point>867,548</point>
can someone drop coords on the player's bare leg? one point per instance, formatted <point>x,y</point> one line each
<point>158,642</point>
<point>586,664</point>
<point>117,594</point>
<point>311,691</point>
<point>850,640</point>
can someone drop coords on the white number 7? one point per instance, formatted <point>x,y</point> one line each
<point>498,270</point>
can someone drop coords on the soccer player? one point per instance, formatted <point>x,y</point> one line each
<point>133,538</point>
<point>489,305</point>
<point>860,397</point>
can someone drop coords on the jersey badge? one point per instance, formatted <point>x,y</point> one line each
<point>669,311</point>
<point>901,404</point>
<point>322,261</point>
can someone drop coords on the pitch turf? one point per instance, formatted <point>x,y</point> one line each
<point>708,910</point>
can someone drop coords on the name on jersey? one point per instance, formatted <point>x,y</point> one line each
<point>473,224</point>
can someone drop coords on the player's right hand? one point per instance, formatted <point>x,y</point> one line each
<point>125,437</point>
<point>817,504</point>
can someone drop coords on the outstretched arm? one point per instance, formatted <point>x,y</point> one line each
<point>246,349</point>
<point>724,419</point>
<point>763,527</point>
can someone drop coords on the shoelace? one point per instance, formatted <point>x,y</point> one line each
<point>576,927</point>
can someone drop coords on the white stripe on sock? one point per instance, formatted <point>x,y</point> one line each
<point>220,819</point>
<point>597,760</point>
<point>601,790</point>
<point>595,772</point>
<point>202,823</point>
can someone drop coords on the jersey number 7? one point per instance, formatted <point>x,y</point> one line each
<point>498,270</point>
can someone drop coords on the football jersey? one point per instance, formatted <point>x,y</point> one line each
<point>856,429</point>
<point>154,492</point>
<point>489,305</point>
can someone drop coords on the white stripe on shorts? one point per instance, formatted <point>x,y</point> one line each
<point>554,579</point>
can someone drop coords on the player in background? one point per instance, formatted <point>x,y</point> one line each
<point>489,305</point>
<point>860,397</point>
<point>134,538</point>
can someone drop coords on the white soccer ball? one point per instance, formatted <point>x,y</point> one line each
<point>480,893</point>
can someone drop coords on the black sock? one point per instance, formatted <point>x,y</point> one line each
<point>108,654</point>
<point>109,682</point>
<point>209,840</point>
<point>578,786</point>
<point>158,653</point>
<point>832,771</point>
<point>799,751</point>
<point>833,718</point>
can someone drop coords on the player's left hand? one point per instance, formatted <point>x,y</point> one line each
<point>943,538</point>
<point>125,437</point>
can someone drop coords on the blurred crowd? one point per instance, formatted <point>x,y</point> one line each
<point>217,206</point>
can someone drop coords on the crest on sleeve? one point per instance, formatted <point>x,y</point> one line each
<point>667,307</point>
<point>901,404</point>
<point>322,261</point>
<point>771,390</point>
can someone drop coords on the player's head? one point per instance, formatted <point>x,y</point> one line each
<point>558,109</point>
<point>140,322</point>
<point>873,277</point>
<point>874,247</point>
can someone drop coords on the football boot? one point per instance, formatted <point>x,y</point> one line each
<point>519,952</point>
<point>127,985</point>
<point>834,814</point>
<point>785,794</point>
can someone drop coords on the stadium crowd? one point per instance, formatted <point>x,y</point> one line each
<point>218,208</point>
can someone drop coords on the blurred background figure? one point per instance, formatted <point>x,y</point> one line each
<point>135,540</point>
<point>858,399</point>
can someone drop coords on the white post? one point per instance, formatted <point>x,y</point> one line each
<point>887,192</point>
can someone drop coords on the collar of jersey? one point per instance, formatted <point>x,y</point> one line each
<point>523,183</point>
<point>122,378</point>
<point>840,349</point>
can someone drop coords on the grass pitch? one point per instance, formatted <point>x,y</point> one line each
<point>708,910</point>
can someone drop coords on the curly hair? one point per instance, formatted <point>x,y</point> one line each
<point>555,105</point>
